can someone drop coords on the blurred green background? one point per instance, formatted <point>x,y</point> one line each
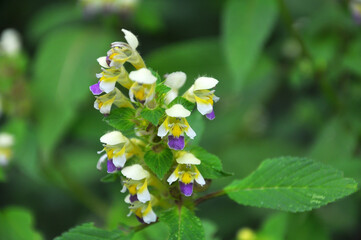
<point>289,75</point>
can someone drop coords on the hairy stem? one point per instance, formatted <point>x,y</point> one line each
<point>209,196</point>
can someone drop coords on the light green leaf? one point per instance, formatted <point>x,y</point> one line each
<point>211,166</point>
<point>122,119</point>
<point>64,67</point>
<point>183,224</point>
<point>161,89</point>
<point>17,224</point>
<point>88,231</point>
<point>291,184</point>
<point>180,100</point>
<point>247,25</point>
<point>159,162</point>
<point>153,115</point>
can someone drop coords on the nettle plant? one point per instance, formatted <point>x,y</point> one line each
<point>152,149</point>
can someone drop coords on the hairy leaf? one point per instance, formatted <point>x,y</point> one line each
<point>159,162</point>
<point>211,166</point>
<point>180,100</point>
<point>291,184</point>
<point>152,115</point>
<point>183,224</point>
<point>121,119</point>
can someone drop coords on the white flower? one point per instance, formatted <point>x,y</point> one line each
<point>143,88</point>
<point>115,146</point>
<point>131,38</point>
<point>176,125</point>
<point>186,172</point>
<point>200,93</point>
<point>175,81</point>
<point>143,211</point>
<point>137,182</point>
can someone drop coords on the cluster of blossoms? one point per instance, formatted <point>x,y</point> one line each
<point>143,90</point>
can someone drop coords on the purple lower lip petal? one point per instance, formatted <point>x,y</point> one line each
<point>211,115</point>
<point>176,143</point>
<point>110,166</point>
<point>95,89</point>
<point>186,189</point>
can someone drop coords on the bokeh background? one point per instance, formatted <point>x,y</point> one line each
<point>289,75</point>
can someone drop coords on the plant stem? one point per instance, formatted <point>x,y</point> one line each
<point>209,196</point>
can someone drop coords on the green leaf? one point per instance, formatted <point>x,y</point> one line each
<point>153,115</point>
<point>110,177</point>
<point>60,85</point>
<point>291,184</point>
<point>186,104</point>
<point>17,224</point>
<point>156,74</point>
<point>183,224</point>
<point>247,25</point>
<point>161,89</point>
<point>159,162</point>
<point>121,119</point>
<point>211,166</point>
<point>88,231</point>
